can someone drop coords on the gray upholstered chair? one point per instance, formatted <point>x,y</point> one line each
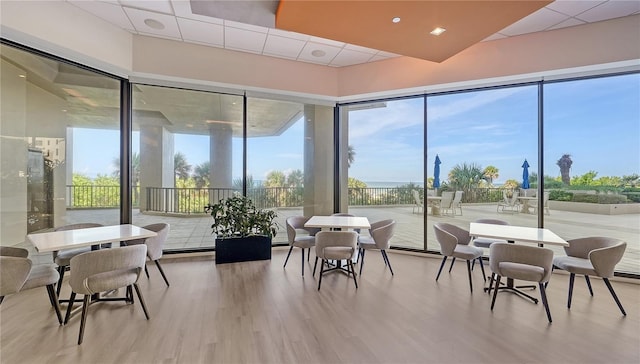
<point>336,245</point>
<point>295,227</point>
<point>154,244</point>
<point>592,256</point>
<point>454,242</point>
<point>106,270</point>
<point>379,238</point>
<point>528,263</point>
<point>63,257</point>
<point>486,242</point>
<point>18,274</point>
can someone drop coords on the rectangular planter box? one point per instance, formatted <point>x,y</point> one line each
<point>245,249</point>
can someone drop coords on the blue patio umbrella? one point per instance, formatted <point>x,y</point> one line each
<point>436,173</point>
<point>525,174</point>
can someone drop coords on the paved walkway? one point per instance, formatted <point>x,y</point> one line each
<point>195,231</point>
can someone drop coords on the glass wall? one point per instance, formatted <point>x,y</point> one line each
<point>59,135</point>
<point>186,153</point>
<point>592,160</point>
<point>385,165</point>
<point>482,139</point>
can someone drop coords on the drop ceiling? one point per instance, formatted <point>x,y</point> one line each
<point>249,26</point>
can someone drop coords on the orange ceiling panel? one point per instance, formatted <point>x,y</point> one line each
<point>368,23</point>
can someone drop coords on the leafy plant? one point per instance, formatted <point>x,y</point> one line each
<point>237,216</point>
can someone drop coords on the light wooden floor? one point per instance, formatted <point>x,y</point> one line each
<point>258,312</point>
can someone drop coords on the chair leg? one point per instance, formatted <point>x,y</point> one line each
<point>72,300</point>
<point>286,260</point>
<point>362,261</point>
<point>490,283</point>
<point>484,276</point>
<point>613,293</point>
<point>543,295</point>
<point>161,272</point>
<point>53,297</point>
<point>308,254</point>
<point>453,260</point>
<point>321,270</point>
<point>83,320</point>
<point>1,299</point>
<point>572,278</point>
<point>473,264</point>
<point>586,278</point>
<point>469,272</point>
<point>146,271</point>
<point>302,261</point>
<point>386,257</point>
<point>495,291</point>
<point>353,272</point>
<point>444,260</point>
<point>61,270</point>
<point>314,267</point>
<point>144,306</point>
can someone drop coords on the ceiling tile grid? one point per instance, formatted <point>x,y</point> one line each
<point>174,19</point>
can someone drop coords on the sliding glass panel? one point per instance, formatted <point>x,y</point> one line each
<point>592,161</point>
<point>385,165</point>
<point>482,139</point>
<point>59,132</point>
<point>187,150</point>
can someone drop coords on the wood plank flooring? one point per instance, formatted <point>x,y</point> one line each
<point>258,312</point>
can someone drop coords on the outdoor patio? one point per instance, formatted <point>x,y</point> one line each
<point>193,231</point>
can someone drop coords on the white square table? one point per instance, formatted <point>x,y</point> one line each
<point>338,222</point>
<point>70,239</point>
<point>516,234</point>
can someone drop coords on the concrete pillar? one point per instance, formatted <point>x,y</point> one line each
<point>318,160</point>
<point>344,164</point>
<point>220,157</point>
<point>156,166</point>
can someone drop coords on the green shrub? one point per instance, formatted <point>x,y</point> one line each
<point>560,195</point>
<point>601,199</point>
<point>632,196</point>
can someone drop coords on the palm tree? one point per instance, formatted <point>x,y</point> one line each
<point>275,179</point>
<point>201,174</point>
<point>181,167</point>
<point>135,174</point>
<point>490,173</point>
<point>351,156</point>
<point>465,177</point>
<point>295,179</point>
<point>565,163</point>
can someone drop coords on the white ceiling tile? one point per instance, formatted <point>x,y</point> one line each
<point>245,40</point>
<point>326,41</point>
<point>360,49</point>
<point>197,31</point>
<point>347,57</point>
<point>387,54</point>
<point>536,22</point>
<point>253,28</point>
<point>329,53</point>
<point>288,34</point>
<point>182,9</point>
<point>573,7</point>
<point>161,6</point>
<point>107,11</point>
<point>281,46</point>
<point>610,10</point>
<point>567,23</point>
<point>138,18</point>
<point>378,57</point>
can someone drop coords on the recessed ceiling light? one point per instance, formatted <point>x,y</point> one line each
<point>154,24</point>
<point>396,19</point>
<point>438,31</point>
<point>22,76</point>
<point>318,53</point>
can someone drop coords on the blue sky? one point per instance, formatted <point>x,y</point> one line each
<point>597,121</point>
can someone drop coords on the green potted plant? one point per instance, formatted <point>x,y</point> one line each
<point>243,232</point>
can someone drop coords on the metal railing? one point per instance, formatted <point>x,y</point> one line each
<point>193,200</point>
